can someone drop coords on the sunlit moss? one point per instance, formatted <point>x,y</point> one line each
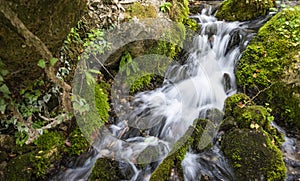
<point>242,10</point>
<point>268,67</point>
<point>253,156</point>
<point>142,11</point>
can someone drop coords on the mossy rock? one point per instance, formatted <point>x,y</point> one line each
<point>101,100</point>
<point>198,137</point>
<point>50,140</point>
<point>7,142</point>
<point>253,156</point>
<point>179,10</point>
<point>242,113</point>
<point>95,114</point>
<point>78,143</point>
<point>236,101</point>
<point>269,67</point>
<point>142,10</point>
<point>243,10</point>
<point>106,169</point>
<point>19,168</point>
<point>50,148</point>
<point>162,172</point>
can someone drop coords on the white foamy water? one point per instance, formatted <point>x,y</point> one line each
<point>161,117</point>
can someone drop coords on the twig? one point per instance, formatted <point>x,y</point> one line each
<point>53,121</point>
<point>260,91</point>
<point>99,61</point>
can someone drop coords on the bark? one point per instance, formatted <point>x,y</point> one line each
<point>31,30</point>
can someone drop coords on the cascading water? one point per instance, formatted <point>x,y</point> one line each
<point>190,90</point>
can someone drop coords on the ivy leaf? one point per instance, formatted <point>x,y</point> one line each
<point>42,63</point>
<point>4,72</point>
<point>4,89</point>
<point>53,61</point>
<point>2,106</point>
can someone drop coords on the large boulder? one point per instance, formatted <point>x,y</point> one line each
<point>243,10</point>
<point>249,142</point>
<point>268,70</point>
<point>253,156</point>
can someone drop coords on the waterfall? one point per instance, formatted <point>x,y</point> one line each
<point>190,90</point>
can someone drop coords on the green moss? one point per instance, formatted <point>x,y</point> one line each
<point>78,142</point>
<point>101,100</point>
<point>179,10</point>
<point>142,11</point>
<point>163,171</point>
<point>252,115</point>
<point>98,106</point>
<point>19,168</point>
<point>242,10</point>
<point>192,139</point>
<point>49,149</point>
<point>236,101</point>
<point>49,140</point>
<point>268,67</point>
<point>141,83</point>
<point>191,24</point>
<point>253,156</point>
<point>105,169</point>
<point>243,114</point>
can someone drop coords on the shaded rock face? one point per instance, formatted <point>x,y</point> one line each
<point>49,20</point>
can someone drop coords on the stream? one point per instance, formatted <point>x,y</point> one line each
<point>159,118</point>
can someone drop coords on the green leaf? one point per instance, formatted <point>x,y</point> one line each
<point>270,118</point>
<point>42,63</point>
<point>2,106</point>
<point>127,71</point>
<point>89,79</point>
<point>4,72</point>
<point>41,83</point>
<point>53,61</point>
<point>1,79</point>
<point>4,89</point>
<point>95,71</point>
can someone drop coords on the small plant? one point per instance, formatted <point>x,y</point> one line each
<point>127,64</point>
<point>165,7</point>
<point>4,90</point>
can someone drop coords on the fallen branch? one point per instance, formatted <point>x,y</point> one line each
<point>260,91</point>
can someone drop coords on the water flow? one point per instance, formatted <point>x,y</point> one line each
<point>162,116</point>
<point>291,153</point>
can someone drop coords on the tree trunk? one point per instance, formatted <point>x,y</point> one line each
<point>48,21</point>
